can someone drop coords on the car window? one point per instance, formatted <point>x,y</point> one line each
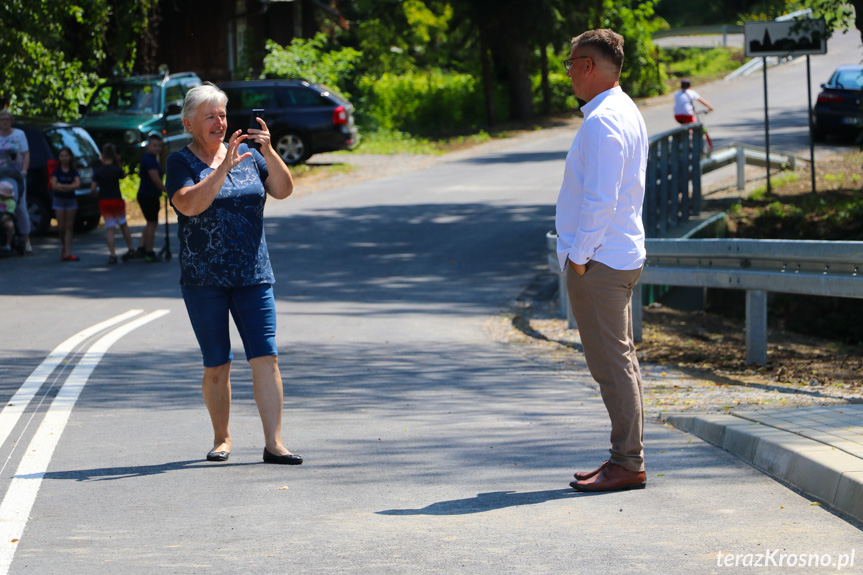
<point>306,97</point>
<point>78,140</point>
<point>332,92</point>
<point>246,99</point>
<point>849,79</point>
<point>126,99</point>
<point>173,95</point>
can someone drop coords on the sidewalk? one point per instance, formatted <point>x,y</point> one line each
<point>817,450</point>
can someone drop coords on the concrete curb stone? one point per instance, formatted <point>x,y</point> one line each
<point>821,471</point>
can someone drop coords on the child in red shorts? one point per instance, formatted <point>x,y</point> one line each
<point>106,182</point>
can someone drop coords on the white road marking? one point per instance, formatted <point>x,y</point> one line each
<point>11,412</point>
<point>19,499</point>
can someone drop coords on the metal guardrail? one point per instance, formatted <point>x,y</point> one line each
<point>743,154</point>
<point>823,268</point>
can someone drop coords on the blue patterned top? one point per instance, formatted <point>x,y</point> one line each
<point>224,245</point>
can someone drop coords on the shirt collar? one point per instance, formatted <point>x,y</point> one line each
<point>588,108</point>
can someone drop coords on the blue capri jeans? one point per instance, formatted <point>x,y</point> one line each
<point>253,309</point>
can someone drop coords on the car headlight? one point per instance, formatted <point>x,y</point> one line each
<point>132,136</point>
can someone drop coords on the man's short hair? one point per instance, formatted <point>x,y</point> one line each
<point>605,42</point>
<point>685,84</point>
<point>155,136</point>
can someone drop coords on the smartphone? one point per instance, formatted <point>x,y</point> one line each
<point>253,123</point>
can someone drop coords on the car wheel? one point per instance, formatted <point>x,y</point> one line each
<point>292,148</point>
<point>39,210</point>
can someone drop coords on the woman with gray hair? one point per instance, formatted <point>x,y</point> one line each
<point>218,190</point>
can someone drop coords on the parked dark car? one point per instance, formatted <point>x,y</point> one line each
<point>303,118</point>
<point>838,109</point>
<point>124,111</point>
<point>45,138</point>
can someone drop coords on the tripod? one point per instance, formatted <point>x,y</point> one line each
<point>165,253</point>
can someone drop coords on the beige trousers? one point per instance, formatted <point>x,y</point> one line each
<point>601,301</point>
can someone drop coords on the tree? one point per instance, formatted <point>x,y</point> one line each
<point>836,13</point>
<point>53,51</point>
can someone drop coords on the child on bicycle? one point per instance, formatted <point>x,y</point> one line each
<point>684,103</point>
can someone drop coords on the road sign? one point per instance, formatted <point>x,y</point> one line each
<point>787,38</point>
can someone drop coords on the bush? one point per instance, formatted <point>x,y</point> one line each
<point>421,102</point>
<point>701,64</point>
<point>562,98</point>
<point>310,60</point>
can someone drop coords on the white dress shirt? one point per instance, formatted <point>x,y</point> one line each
<point>600,201</point>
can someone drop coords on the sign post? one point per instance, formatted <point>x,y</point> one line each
<point>782,38</point>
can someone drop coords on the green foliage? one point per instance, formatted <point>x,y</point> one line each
<point>777,182</point>
<point>700,64</point>
<point>312,60</point>
<point>385,141</point>
<point>642,73</point>
<point>53,50</point>
<point>562,98</point>
<point>396,142</point>
<point>129,186</point>
<point>402,36</point>
<point>426,102</point>
<point>838,14</point>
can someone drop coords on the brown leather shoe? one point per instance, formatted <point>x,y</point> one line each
<point>612,477</point>
<point>582,475</point>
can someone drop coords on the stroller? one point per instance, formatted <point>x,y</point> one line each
<point>17,181</point>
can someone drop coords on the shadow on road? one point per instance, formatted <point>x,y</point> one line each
<point>444,253</point>
<point>485,502</point>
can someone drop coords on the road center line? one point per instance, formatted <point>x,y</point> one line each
<point>19,499</point>
<point>11,412</point>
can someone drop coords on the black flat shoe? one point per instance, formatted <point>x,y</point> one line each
<point>287,459</point>
<point>218,455</point>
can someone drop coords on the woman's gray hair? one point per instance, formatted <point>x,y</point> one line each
<point>6,113</point>
<point>206,93</point>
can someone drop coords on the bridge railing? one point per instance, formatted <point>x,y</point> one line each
<point>673,181</point>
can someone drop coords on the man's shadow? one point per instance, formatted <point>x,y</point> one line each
<point>488,502</point>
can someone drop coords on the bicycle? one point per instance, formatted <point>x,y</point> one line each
<point>698,115</point>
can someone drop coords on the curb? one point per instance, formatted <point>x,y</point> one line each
<point>820,471</point>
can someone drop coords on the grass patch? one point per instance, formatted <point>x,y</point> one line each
<point>386,142</point>
<point>701,65</point>
<point>782,179</point>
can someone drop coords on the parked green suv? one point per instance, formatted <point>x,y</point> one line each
<point>124,111</point>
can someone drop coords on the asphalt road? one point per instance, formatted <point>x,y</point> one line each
<point>428,447</point>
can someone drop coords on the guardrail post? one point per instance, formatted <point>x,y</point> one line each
<point>741,168</point>
<point>756,327</point>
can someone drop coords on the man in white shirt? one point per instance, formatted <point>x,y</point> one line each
<point>684,103</point>
<point>601,247</point>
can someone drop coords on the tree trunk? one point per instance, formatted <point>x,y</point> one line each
<point>520,97</point>
<point>487,82</point>
<point>546,87</point>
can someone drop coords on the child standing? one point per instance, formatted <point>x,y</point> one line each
<point>7,214</point>
<point>64,182</point>
<point>106,182</point>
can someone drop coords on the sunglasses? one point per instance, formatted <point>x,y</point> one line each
<point>567,64</point>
